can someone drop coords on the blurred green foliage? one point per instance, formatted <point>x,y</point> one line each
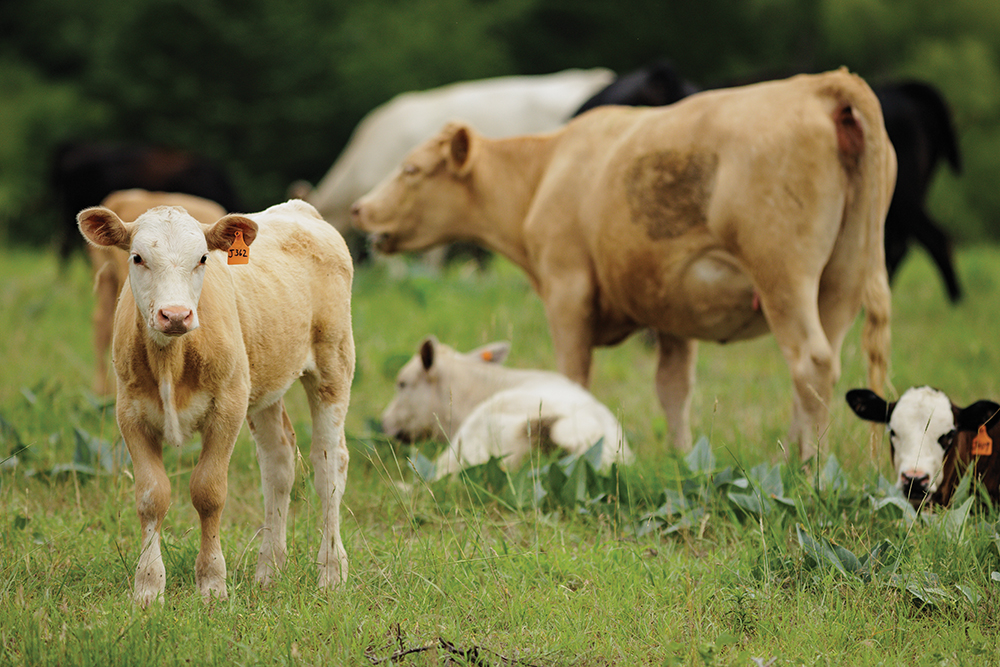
<point>272,90</point>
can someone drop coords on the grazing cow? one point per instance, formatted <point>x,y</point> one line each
<point>920,128</point>
<point>484,409</point>
<point>933,441</point>
<point>499,107</point>
<point>84,173</point>
<point>110,264</point>
<point>717,218</point>
<point>200,345</point>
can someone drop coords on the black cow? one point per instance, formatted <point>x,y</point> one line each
<point>85,173</point>
<point>919,125</point>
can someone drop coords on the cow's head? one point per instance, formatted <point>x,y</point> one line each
<point>425,201</point>
<point>922,430</point>
<point>168,251</point>
<point>425,386</point>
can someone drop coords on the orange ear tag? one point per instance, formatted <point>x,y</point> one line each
<point>982,444</point>
<point>239,252</point>
<point>486,355</point>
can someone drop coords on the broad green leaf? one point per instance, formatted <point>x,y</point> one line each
<point>832,477</point>
<point>593,455</point>
<point>925,586</point>
<point>906,510</point>
<point>422,466</point>
<point>701,459</point>
<point>952,521</point>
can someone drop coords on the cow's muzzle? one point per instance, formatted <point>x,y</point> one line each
<point>174,321</point>
<point>915,485</point>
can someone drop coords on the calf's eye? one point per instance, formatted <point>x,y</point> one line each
<point>204,258</point>
<point>136,259</point>
<point>946,439</point>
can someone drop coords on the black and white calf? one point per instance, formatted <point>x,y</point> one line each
<point>933,441</point>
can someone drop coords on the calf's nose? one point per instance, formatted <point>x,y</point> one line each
<point>174,320</point>
<point>914,483</point>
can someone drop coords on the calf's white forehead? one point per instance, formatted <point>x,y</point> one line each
<point>922,412</point>
<point>169,232</point>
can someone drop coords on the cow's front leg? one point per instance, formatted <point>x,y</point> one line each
<point>569,308</point>
<point>152,497</point>
<point>272,431</point>
<point>209,485</point>
<point>674,381</point>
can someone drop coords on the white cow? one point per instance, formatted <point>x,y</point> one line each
<point>499,107</point>
<point>484,409</point>
<point>201,346</point>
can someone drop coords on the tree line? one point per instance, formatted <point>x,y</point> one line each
<point>272,90</point>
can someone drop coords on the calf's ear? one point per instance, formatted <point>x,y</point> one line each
<point>976,415</point>
<point>102,227</point>
<point>427,349</point>
<point>495,353</point>
<point>220,235</point>
<point>869,405</point>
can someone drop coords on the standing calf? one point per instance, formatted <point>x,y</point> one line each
<point>932,440</point>
<point>199,346</point>
<point>484,409</point>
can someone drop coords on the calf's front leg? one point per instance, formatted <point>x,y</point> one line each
<point>272,431</point>
<point>674,381</point>
<point>152,497</point>
<point>209,485</point>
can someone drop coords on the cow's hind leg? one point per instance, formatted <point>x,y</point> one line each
<point>674,381</point>
<point>329,456</point>
<point>272,431</point>
<point>793,316</point>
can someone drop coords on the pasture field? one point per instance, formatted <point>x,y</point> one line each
<point>724,557</point>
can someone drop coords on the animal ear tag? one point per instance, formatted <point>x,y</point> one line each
<point>239,252</point>
<point>982,444</point>
<point>486,355</point>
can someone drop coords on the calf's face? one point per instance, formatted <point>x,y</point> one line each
<point>423,202</point>
<point>423,407</point>
<point>168,251</point>
<point>921,429</point>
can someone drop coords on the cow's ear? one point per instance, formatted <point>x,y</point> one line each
<point>102,227</point>
<point>495,353</point>
<point>220,236</point>
<point>460,150</point>
<point>977,414</point>
<point>869,405</point>
<point>427,350</point>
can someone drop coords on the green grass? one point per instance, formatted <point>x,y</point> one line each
<point>558,583</point>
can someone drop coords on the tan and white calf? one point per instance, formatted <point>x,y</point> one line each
<point>200,345</point>
<point>110,264</point>
<point>483,409</point>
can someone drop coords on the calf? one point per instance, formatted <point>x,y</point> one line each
<point>201,346</point>
<point>110,264</point>
<point>483,409</point>
<point>933,441</point>
<point>728,214</point>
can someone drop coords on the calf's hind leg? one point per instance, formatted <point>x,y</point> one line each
<point>275,438</point>
<point>329,456</point>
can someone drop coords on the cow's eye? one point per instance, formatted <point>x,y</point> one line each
<point>136,259</point>
<point>401,385</point>
<point>892,434</point>
<point>947,439</point>
<point>204,258</point>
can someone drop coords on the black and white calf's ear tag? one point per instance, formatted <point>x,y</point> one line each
<point>239,252</point>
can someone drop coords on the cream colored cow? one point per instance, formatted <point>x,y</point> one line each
<point>482,409</point>
<point>201,346</point>
<point>110,265</point>
<point>728,214</point>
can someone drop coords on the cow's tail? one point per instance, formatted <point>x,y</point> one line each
<point>870,161</point>
<point>171,422</point>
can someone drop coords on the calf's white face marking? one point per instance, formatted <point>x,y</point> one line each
<point>921,418</point>
<point>167,269</point>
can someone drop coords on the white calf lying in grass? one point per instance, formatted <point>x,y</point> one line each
<point>484,409</point>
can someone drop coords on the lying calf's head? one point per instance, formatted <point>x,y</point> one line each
<point>168,250</point>
<point>433,388</point>
<point>924,426</point>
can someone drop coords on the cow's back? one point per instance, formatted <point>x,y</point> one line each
<point>293,294</point>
